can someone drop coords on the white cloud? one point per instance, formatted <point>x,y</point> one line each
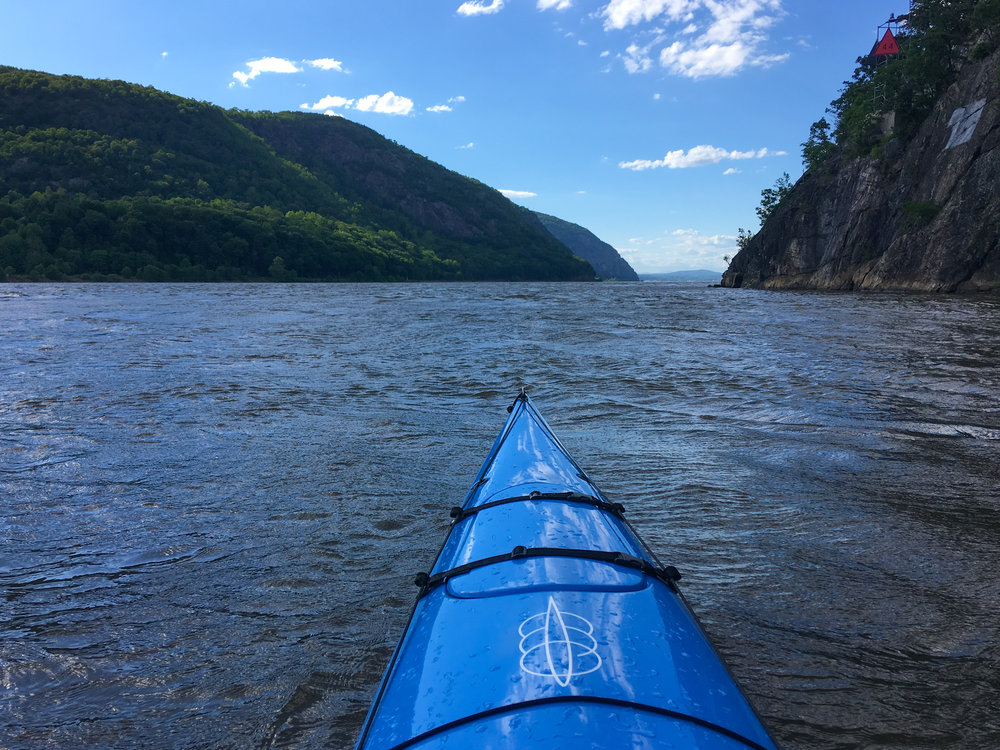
<point>696,62</point>
<point>557,4</point>
<point>281,65</point>
<point>264,65</point>
<point>474,8</point>
<point>164,54</point>
<point>733,170</point>
<point>329,102</point>
<point>447,107</point>
<point>327,63</point>
<point>619,14</point>
<point>679,250</point>
<point>708,37</point>
<point>515,194</point>
<point>699,156</point>
<point>388,103</point>
<point>467,146</point>
<point>637,59</point>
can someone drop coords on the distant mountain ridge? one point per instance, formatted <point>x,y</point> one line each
<point>698,275</point>
<point>111,180</point>
<point>585,244</point>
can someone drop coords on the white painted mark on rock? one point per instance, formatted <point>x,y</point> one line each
<point>963,123</point>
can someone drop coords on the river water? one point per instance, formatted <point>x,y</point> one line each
<point>213,498</point>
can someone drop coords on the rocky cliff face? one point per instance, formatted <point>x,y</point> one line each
<point>921,216</point>
<point>585,244</point>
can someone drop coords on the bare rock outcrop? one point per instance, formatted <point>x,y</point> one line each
<point>922,216</point>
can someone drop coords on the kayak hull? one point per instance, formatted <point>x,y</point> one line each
<point>545,619</point>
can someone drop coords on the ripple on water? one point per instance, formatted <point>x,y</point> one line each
<point>215,497</point>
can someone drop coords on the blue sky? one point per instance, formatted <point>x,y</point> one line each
<point>653,123</point>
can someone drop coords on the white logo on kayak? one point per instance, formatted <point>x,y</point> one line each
<point>559,645</point>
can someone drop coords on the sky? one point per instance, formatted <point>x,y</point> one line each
<point>655,124</point>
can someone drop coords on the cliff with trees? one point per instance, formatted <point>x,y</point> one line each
<point>902,190</point>
<point>109,180</point>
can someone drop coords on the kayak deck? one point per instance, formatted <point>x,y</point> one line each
<point>545,620</point>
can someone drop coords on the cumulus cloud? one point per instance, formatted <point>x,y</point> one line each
<point>467,146</point>
<point>695,62</point>
<point>329,102</point>
<point>280,65</point>
<point>483,8</point>
<point>699,156</point>
<point>619,14</point>
<point>327,63</point>
<point>447,106</point>
<point>474,8</point>
<point>264,65</point>
<point>388,103</point>
<point>709,38</point>
<point>679,250</point>
<point>637,59</point>
<point>516,194</point>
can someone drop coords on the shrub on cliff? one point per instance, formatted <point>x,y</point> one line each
<point>818,146</point>
<point>772,196</point>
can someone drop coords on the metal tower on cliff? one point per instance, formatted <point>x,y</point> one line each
<point>885,50</point>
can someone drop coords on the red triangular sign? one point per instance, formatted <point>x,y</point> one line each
<point>887,46</point>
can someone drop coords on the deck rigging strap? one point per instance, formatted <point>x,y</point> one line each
<point>667,574</point>
<point>616,509</point>
<point>577,700</point>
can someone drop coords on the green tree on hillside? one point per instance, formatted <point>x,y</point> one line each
<point>109,180</point>
<point>818,146</point>
<point>772,196</point>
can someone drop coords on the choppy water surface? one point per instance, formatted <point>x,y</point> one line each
<point>213,498</point>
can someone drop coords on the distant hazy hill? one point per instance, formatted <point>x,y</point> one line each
<point>106,179</point>
<point>683,276</point>
<point>602,256</point>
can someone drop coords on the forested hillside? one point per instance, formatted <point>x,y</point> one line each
<point>603,257</point>
<point>109,180</point>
